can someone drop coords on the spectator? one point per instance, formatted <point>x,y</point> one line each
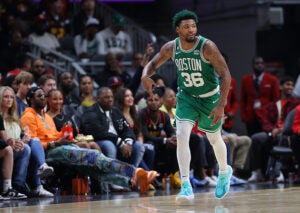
<point>88,9</point>
<point>86,91</point>
<point>114,39</point>
<point>231,106</point>
<point>112,69</point>
<point>110,129</point>
<point>86,44</point>
<point>55,111</point>
<point>47,82</point>
<point>64,152</point>
<point>125,102</point>
<point>56,19</point>
<point>37,69</point>
<point>7,158</point>
<point>257,90</point>
<point>66,86</point>
<point>273,117</point>
<point>158,131</point>
<point>42,38</point>
<point>115,83</point>
<point>38,168</point>
<point>23,81</point>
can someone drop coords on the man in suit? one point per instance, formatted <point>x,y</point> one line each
<point>110,129</point>
<point>257,90</point>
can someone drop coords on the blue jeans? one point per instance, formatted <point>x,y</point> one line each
<point>21,161</point>
<point>37,158</point>
<point>110,150</point>
<point>149,156</point>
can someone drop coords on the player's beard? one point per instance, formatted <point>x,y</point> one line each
<point>191,40</point>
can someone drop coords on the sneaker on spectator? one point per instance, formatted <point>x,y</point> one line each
<point>12,194</point>
<point>45,171</point>
<point>215,178</point>
<point>186,192</point>
<point>280,178</point>
<point>210,181</point>
<point>151,176</point>
<point>234,181</point>
<point>142,179</point>
<point>256,176</point>
<point>196,182</point>
<point>223,183</point>
<point>41,192</point>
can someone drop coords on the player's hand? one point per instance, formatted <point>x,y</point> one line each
<point>148,84</point>
<point>216,114</point>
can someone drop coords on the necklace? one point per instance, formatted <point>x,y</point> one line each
<point>44,121</point>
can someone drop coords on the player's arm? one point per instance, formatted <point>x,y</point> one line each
<point>212,54</point>
<point>161,57</point>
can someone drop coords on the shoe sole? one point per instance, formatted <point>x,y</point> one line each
<point>47,172</point>
<point>228,184</point>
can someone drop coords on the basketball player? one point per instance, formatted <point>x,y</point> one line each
<point>200,95</point>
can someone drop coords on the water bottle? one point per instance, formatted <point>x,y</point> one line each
<point>168,185</point>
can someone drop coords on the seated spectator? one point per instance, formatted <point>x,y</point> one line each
<point>86,91</point>
<point>64,152</point>
<point>55,111</point>
<point>56,19</point>
<point>238,150</point>
<point>88,9</point>
<point>112,68</point>
<point>110,129</point>
<point>37,69</point>
<point>37,167</point>
<point>47,82</point>
<point>7,159</point>
<point>23,81</point>
<point>125,102</point>
<point>158,131</point>
<point>114,39</point>
<point>67,87</point>
<point>86,43</point>
<point>274,115</point>
<point>42,38</point>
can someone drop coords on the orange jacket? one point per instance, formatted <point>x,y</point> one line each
<point>40,127</point>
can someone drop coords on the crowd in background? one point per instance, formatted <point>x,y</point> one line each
<point>128,128</point>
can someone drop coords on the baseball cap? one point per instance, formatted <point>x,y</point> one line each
<point>92,22</point>
<point>41,17</point>
<point>118,20</point>
<point>114,81</point>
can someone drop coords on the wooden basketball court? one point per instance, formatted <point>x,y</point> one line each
<point>283,200</point>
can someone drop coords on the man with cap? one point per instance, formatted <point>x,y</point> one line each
<point>86,44</point>
<point>114,39</point>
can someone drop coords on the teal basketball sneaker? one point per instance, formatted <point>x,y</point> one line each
<point>186,192</point>
<point>223,183</point>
